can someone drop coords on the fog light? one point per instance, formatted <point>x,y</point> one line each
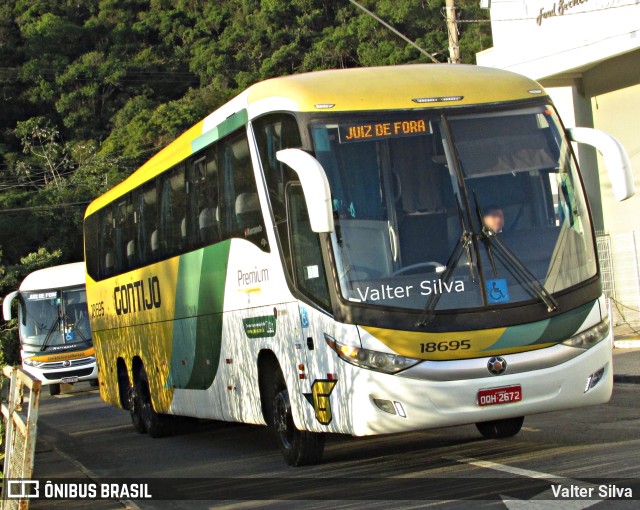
<point>385,405</point>
<point>594,378</point>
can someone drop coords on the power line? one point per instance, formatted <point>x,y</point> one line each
<point>399,34</point>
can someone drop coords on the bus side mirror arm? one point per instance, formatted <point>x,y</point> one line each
<point>315,187</point>
<point>6,305</point>
<point>615,158</point>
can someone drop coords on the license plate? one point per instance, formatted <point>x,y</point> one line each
<point>69,380</point>
<point>495,396</point>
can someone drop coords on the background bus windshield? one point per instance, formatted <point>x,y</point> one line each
<point>477,209</point>
<point>54,318</point>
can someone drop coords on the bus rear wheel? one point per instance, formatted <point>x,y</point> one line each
<point>499,429</point>
<point>54,389</point>
<point>298,447</point>
<point>134,411</point>
<point>155,424</point>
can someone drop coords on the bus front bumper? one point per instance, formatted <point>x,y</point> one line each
<point>71,374</point>
<point>380,403</point>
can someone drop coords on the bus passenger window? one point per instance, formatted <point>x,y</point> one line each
<point>275,132</point>
<point>91,244</point>
<point>107,241</point>
<point>147,223</point>
<point>173,213</point>
<point>202,204</point>
<point>242,211</point>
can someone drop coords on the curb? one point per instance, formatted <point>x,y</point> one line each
<point>626,344</point>
<point>626,378</point>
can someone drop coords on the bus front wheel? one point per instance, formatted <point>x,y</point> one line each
<point>298,447</point>
<point>54,389</point>
<point>499,429</point>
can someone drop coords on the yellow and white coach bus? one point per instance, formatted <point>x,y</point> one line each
<point>53,326</point>
<point>358,251</point>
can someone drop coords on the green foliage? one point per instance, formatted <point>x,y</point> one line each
<point>90,90</point>
<point>10,278</point>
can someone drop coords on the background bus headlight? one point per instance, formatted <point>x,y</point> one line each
<point>373,360</point>
<point>589,337</point>
<point>31,363</point>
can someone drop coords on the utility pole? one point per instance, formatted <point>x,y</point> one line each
<point>452,28</point>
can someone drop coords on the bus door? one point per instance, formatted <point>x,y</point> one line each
<point>309,275</point>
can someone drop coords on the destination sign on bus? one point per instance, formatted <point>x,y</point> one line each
<point>381,130</point>
<point>42,295</point>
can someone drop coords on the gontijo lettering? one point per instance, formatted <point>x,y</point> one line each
<point>138,296</point>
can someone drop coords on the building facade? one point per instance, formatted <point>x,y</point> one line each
<point>586,53</point>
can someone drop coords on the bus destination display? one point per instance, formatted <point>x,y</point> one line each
<point>379,130</point>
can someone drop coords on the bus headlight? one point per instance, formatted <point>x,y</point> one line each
<point>31,363</point>
<point>373,360</point>
<point>589,337</point>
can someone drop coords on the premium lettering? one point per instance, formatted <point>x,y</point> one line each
<point>138,296</point>
<point>251,277</point>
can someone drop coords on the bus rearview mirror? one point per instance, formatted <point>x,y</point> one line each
<point>615,158</point>
<point>315,187</point>
<point>6,305</point>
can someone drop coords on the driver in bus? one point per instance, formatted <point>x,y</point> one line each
<point>493,218</point>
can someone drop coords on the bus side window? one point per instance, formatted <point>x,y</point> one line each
<point>242,212</point>
<point>275,132</point>
<point>91,244</point>
<point>124,236</point>
<point>308,267</point>
<point>173,220</point>
<point>202,201</point>
<point>107,243</point>
<point>148,224</point>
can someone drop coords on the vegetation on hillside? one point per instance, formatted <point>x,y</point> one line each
<point>89,89</point>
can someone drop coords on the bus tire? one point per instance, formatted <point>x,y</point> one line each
<point>134,411</point>
<point>298,447</point>
<point>500,429</point>
<point>54,389</point>
<point>156,424</point>
<point>94,383</point>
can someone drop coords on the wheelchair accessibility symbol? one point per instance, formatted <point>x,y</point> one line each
<point>497,291</point>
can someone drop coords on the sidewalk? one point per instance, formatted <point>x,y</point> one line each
<point>626,365</point>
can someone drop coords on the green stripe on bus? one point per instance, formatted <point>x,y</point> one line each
<point>197,339</point>
<point>223,129</point>
<point>554,330</point>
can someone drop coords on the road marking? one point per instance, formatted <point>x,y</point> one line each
<point>542,501</point>
<point>530,429</point>
<point>97,431</point>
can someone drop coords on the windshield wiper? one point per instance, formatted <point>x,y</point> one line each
<point>462,246</point>
<point>513,264</point>
<point>52,328</point>
<point>76,329</point>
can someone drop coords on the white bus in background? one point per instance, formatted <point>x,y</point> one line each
<point>53,326</point>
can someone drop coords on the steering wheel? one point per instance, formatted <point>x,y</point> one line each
<point>432,263</point>
<point>368,272</point>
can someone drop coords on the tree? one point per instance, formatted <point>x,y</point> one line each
<point>10,279</point>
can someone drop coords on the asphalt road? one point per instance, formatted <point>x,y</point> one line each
<point>584,448</point>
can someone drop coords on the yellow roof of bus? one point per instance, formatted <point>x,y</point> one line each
<point>358,89</point>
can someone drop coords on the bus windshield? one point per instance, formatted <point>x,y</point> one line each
<point>55,318</point>
<point>472,209</point>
